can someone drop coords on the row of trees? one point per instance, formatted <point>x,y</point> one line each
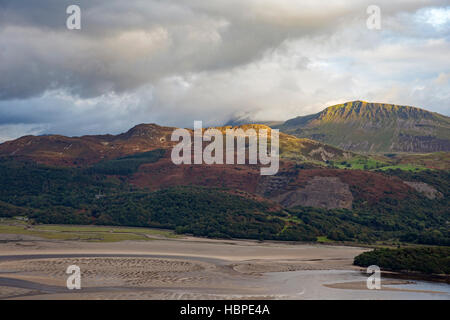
<point>435,260</point>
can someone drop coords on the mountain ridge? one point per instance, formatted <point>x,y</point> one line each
<point>90,149</point>
<point>362,126</point>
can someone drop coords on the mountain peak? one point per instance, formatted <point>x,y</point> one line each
<point>374,127</point>
<point>144,127</point>
<point>146,130</point>
<point>371,111</point>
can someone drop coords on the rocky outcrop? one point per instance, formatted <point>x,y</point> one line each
<point>320,192</point>
<point>324,155</point>
<point>409,143</point>
<point>429,191</point>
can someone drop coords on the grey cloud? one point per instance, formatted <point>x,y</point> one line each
<point>173,62</point>
<point>126,44</point>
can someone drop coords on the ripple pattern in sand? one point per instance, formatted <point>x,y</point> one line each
<point>110,271</point>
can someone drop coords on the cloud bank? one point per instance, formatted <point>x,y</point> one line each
<point>173,62</point>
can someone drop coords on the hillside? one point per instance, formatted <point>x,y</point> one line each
<point>87,150</point>
<point>320,191</point>
<point>339,205</point>
<point>374,127</point>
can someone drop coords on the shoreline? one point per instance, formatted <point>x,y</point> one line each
<point>180,268</point>
<point>24,241</point>
<point>439,278</point>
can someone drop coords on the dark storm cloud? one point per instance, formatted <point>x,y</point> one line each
<point>126,44</point>
<point>175,61</point>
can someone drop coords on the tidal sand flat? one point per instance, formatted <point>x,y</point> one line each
<point>184,268</point>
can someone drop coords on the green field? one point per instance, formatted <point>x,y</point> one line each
<point>359,163</point>
<point>369,163</point>
<point>324,239</point>
<point>85,233</point>
<point>404,167</point>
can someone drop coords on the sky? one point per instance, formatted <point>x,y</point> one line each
<point>173,62</point>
